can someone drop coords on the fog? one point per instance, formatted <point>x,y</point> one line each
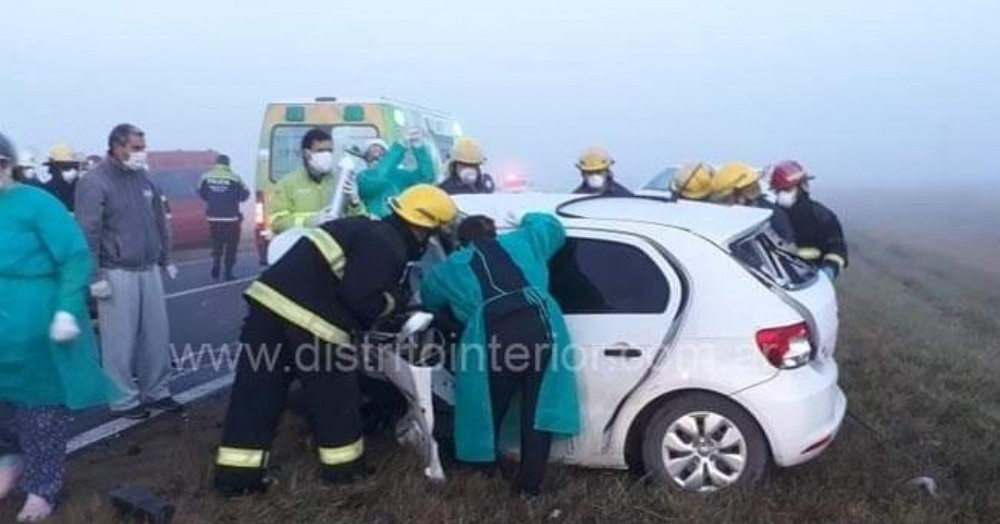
<point>896,90</point>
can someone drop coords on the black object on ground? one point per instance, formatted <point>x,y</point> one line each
<point>140,504</point>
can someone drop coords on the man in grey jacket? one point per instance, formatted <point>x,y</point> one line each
<point>123,216</point>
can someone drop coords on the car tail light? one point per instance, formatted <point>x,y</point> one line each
<point>786,347</point>
<point>258,212</point>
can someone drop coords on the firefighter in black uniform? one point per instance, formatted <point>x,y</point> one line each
<point>223,191</point>
<point>336,281</point>
<point>818,234</point>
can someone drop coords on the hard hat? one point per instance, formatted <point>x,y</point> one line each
<point>467,151</point>
<point>61,153</point>
<point>788,175</point>
<point>595,159</point>
<point>693,181</point>
<point>25,158</point>
<point>733,176</point>
<point>425,206</point>
<point>7,150</point>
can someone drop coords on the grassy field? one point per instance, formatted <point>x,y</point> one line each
<point>919,343</point>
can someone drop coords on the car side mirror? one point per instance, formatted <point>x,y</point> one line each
<point>419,321</point>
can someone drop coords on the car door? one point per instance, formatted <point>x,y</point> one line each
<point>620,297</point>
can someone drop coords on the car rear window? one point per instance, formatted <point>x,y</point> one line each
<point>762,253</point>
<point>603,277</point>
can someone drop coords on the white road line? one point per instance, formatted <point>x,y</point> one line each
<point>187,292</point>
<point>112,428</point>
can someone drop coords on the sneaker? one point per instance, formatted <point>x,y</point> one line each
<point>136,413</point>
<point>36,509</point>
<point>215,272</point>
<point>168,405</point>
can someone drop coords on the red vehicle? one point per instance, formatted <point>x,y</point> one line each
<point>177,174</point>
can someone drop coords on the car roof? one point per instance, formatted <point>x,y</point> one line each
<point>718,223</point>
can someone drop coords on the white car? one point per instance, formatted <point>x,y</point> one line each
<point>705,353</point>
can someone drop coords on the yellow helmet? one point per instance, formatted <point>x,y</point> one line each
<point>595,159</point>
<point>732,177</point>
<point>693,181</point>
<point>425,206</point>
<point>467,151</point>
<point>61,153</point>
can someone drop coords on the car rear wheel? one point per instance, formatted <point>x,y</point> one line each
<point>703,442</point>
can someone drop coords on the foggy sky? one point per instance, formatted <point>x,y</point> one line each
<point>902,89</point>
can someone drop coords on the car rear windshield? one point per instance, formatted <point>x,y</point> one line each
<point>762,253</point>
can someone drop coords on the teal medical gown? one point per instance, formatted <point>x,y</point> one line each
<point>45,266</point>
<point>453,283</point>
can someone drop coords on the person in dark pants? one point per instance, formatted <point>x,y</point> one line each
<point>498,288</point>
<point>223,191</point>
<point>337,280</point>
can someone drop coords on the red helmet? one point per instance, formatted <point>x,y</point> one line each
<point>788,175</point>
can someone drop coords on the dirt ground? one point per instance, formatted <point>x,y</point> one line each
<point>920,336</point>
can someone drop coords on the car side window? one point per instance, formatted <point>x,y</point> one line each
<point>590,276</point>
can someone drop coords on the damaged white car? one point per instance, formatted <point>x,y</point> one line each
<point>705,353</point>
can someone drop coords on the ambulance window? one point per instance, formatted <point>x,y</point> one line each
<point>286,144</point>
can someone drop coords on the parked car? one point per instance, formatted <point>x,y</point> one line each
<point>177,174</point>
<point>705,353</point>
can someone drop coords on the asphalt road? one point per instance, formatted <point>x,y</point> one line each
<point>205,316</point>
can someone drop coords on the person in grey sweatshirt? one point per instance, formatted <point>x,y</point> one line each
<point>123,216</point>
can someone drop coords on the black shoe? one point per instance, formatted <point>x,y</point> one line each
<point>167,405</point>
<point>229,276</point>
<point>215,272</point>
<point>136,413</point>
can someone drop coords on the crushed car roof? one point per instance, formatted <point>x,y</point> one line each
<point>718,223</point>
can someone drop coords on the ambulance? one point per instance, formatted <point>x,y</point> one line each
<point>352,123</point>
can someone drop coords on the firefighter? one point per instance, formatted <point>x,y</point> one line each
<point>737,183</point>
<point>385,178</point>
<point>818,234</point>
<point>223,191</point>
<point>61,174</point>
<point>300,197</point>
<point>498,287</point>
<point>693,181</point>
<point>465,173</point>
<point>336,281</point>
<point>598,178</point>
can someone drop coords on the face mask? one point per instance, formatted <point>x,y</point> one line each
<point>786,199</point>
<point>468,175</point>
<point>6,178</point>
<point>136,161</point>
<point>29,174</point>
<point>70,175</point>
<point>321,162</point>
<point>596,181</point>
<point>43,176</point>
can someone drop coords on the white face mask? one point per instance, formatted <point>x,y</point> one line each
<point>29,173</point>
<point>596,181</point>
<point>468,175</point>
<point>6,178</point>
<point>321,162</point>
<point>43,176</point>
<point>137,160</point>
<point>70,175</point>
<point>786,199</point>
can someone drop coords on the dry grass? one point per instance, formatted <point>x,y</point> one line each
<point>918,351</point>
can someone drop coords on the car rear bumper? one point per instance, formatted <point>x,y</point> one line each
<point>799,410</point>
